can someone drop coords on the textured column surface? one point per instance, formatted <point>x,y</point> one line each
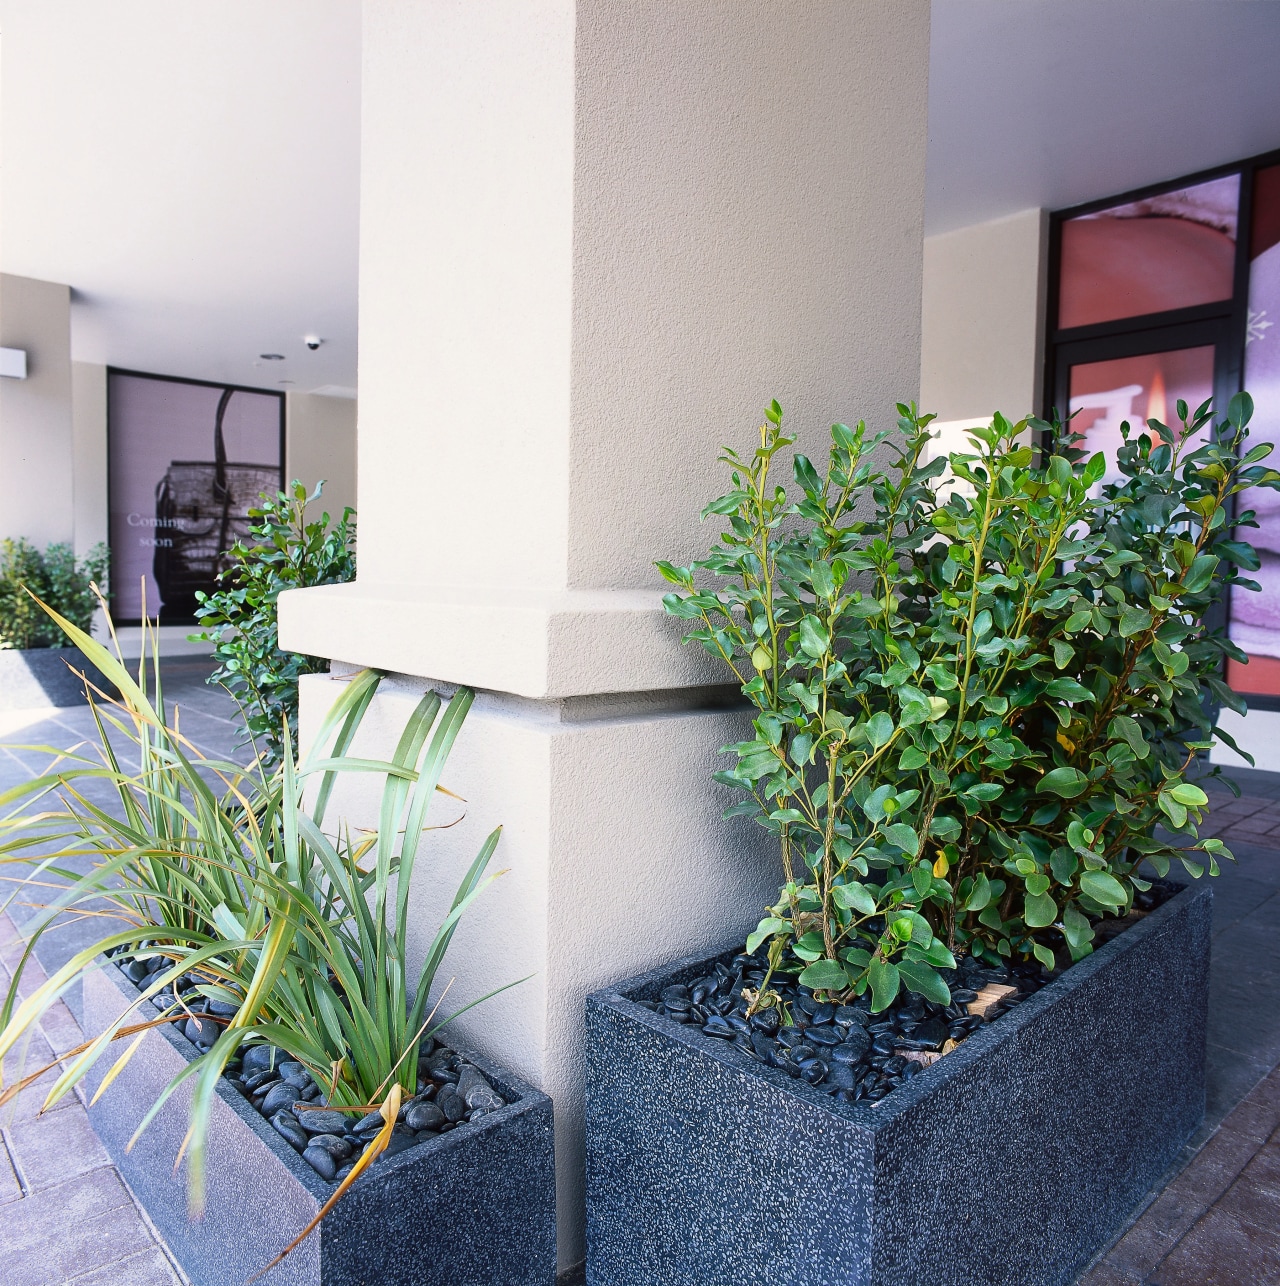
<point>596,240</point>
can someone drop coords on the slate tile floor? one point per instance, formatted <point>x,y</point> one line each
<point>1216,1221</point>
<point>66,1216</point>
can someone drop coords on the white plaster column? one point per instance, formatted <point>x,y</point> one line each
<point>596,239</point>
<point>982,343</point>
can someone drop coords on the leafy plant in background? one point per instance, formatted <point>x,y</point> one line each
<point>55,577</point>
<point>978,694</point>
<point>222,874</point>
<point>241,617</point>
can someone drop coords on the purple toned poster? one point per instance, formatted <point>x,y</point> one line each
<point>1255,618</point>
<point>187,462</point>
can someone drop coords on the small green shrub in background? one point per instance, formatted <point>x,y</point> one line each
<point>241,617</point>
<point>976,702</point>
<point>56,578</point>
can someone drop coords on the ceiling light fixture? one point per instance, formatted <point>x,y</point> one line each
<point>272,357</point>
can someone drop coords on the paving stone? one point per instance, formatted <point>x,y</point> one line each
<point>60,1029</point>
<point>1215,1167</point>
<point>1109,1274</point>
<point>1141,1249</point>
<point>148,1268</point>
<point>1255,1196</point>
<point>85,1224</point>
<point>29,1057</point>
<point>1267,1091</point>
<point>1222,1250</point>
<point>10,1188</point>
<point>1173,1212</point>
<point>1257,1117</point>
<point>56,1147</point>
<point>1229,1077</point>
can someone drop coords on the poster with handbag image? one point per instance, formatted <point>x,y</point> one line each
<point>186,462</point>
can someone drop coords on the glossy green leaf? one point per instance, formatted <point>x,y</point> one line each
<point>884,985</point>
<point>854,897</point>
<point>1067,782</point>
<point>922,979</point>
<point>824,975</point>
<point>1039,911</point>
<point>1103,888</point>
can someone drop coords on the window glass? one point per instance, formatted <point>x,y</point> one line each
<point>186,463</point>
<point>1168,251</point>
<point>1255,618</point>
<point>1137,389</point>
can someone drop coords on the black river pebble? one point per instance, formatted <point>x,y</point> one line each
<point>843,1050</point>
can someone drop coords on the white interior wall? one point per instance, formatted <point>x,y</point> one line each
<point>983,319</point>
<point>36,438</point>
<point>89,458</point>
<point>320,443</point>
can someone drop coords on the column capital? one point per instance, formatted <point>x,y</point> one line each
<point>544,644</point>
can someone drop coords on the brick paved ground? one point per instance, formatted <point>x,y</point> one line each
<point>1216,1221</point>
<point>66,1217</point>
<point>65,1214</point>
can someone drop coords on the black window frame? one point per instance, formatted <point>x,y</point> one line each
<point>1222,323</point>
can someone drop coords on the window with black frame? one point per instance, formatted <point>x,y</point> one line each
<point>1174,292</point>
<point>186,461</point>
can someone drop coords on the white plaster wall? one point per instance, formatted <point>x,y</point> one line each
<point>1257,733</point>
<point>465,281</point>
<point>748,215</point>
<point>36,493</point>
<point>983,319</point>
<point>89,458</point>
<point>595,241</point>
<point>320,443</point>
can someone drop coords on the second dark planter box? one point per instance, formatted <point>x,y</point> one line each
<point>1010,1162</point>
<point>475,1207</point>
<point>46,677</point>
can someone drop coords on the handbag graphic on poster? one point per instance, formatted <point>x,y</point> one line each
<point>202,509</point>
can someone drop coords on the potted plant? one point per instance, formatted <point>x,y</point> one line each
<point>274,1037</point>
<point>981,684</point>
<point>37,668</point>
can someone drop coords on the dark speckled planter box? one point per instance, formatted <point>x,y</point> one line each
<point>1010,1162</point>
<point>475,1207</point>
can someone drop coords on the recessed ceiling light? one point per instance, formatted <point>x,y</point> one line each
<point>272,357</point>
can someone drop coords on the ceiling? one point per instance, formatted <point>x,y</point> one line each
<point>1054,102</point>
<point>193,170</point>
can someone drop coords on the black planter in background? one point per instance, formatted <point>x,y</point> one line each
<point>1010,1162</point>
<point>39,677</point>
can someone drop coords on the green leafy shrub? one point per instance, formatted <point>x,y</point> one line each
<point>241,617</point>
<point>220,874</point>
<point>978,694</point>
<point>54,577</point>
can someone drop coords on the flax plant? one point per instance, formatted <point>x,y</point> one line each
<point>225,874</point>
